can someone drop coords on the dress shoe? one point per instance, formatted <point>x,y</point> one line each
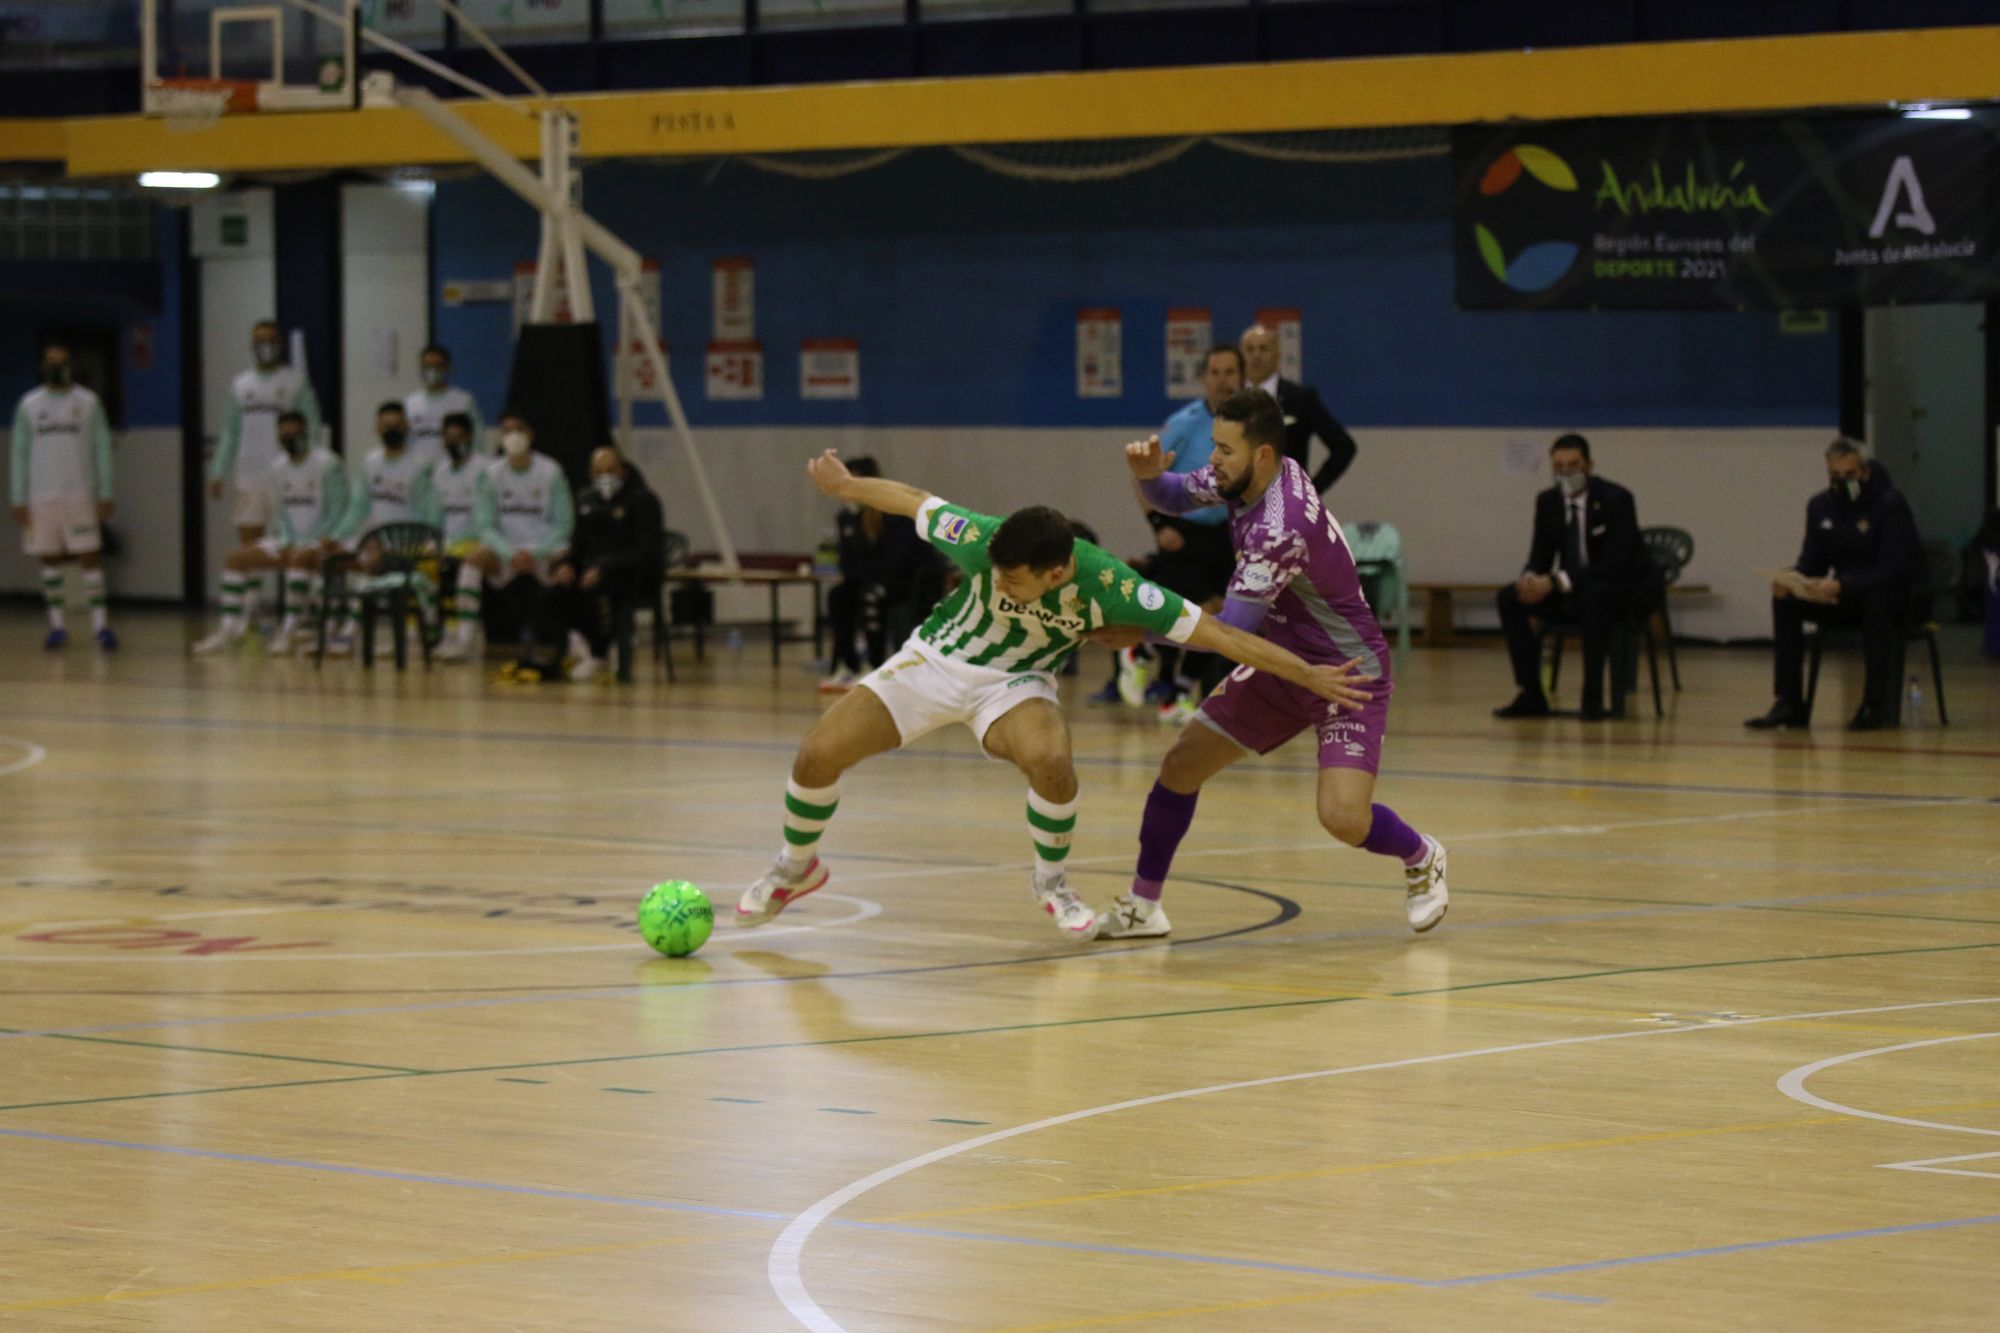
<point>1866,718</point>
<point>1782,715</point>
<point>1525,705</point>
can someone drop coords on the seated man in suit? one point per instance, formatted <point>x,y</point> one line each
<point>1305,415</point>
<point>1861,565</point>
<point>1587,565</point>
<point>615,559</point>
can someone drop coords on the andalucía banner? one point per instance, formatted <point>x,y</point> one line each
<point>1773,213</point>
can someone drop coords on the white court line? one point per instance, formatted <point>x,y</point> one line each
<point>783,1265</point>
<point>1935,1166</point>
<point>1793,1085</point>
<point>34,756</point>
<point>865,909</point>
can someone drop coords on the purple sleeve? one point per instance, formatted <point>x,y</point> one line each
<point>1245,615</point>
<point>1179,492</point>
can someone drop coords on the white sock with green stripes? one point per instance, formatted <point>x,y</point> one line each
<point>234,588</point>
<point>52,594</point>
<point>807,813</point>
<point>1053,825</point>
<point>93,587</point>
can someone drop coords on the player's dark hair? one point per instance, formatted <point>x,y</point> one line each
<point>263,324</point>
<point>864,466</point>
<point>1219,349</point>
<point>1263,421</point>
<point>515,414</point>
<point>57,345</point>
<point>291,415</point>
<point>439,348</point>
<point>390,406</point>
<point>462,420</point>
<point>1036,538</point>
<point>1572,441</point>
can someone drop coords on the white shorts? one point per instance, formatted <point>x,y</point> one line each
<point>924,690</point>
<point>62,525</point>
<point>253,503</point>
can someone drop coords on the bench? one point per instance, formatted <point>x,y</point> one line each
<point>774,572</point>
<point>1437,599</point>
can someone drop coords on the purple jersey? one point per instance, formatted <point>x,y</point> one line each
<point>1292,557</point>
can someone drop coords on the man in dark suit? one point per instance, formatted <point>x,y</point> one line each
<point>1862,564</point>
<point>1305,415</point>
<point>616,557</point>
<point>1587,566</point>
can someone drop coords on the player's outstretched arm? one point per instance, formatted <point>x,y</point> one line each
<point>1344,684</point>
<point>1160,489</point>
<point>891,497</point>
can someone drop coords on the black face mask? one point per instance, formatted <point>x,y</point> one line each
<point>394,438</point>
<point>293,444</point>
<point>458,449</point>
<point>1846,492</point>
<point>56,377</point>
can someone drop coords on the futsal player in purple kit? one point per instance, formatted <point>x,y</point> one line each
<point>1295,583</point>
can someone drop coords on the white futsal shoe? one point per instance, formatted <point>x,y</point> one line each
<point>460,644</point>
<point>1131,917</point>
<point>1426,896</point>
<point>1072,915</point>
<point>777,890</point>
<point>222,640</point>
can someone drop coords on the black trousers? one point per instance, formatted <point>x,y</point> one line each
<point>1879,614</point>
<point>860,608</point>
<point>592,613</point>
<point>1200,572</point>
<point>1594,608</point>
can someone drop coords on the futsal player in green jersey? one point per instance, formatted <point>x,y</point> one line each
<point>986,658</point>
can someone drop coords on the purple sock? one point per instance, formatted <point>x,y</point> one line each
<point>1168,814</point>
<point>1388,835</point>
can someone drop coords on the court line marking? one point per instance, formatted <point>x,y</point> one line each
<point>35,755</point>
<point>907,754</point>
<point>866,909</point>
<point>1793,1085</point>
<point>783,1266</point>
<point>1936,1165</point>
<point>1024,1027</point>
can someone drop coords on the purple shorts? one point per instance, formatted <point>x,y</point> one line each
<point>1261,712</point>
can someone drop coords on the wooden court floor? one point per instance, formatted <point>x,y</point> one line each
<point>322,1010</point>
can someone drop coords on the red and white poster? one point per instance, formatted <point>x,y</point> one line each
<point>1284,321</point>
<point>1190,333</point>
<point>1099,354</point>
<point>829,368</point>
<point>735,300</point>
<point>524,295</point>
<point>735,371</point>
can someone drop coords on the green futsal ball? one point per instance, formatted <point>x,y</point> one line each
<point>675,917</point>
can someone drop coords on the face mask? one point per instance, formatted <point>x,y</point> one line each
<point>266,352</point>
<point>515,442</point>
<point>458,449</point>
<point>1849,491</point>
<point>56,377</point>
<point>1573,483</point>
<point>607,485</point>
<point>434,377</point>
<point>293,444</point>
<point>394,438</point>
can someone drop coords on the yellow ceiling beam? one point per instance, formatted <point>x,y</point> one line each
<point>34,140</point>
<point>1761,74</point>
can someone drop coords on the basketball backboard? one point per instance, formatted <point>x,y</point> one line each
<point>253,55</point>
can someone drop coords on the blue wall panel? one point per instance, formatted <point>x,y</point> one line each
<point>962,286</point>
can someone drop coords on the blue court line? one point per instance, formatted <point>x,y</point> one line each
<point>956,756</point>
<point>1296,937</point>
<point>1126,1251</point>
<point>1573,1300</point>
<point>1712,1251</point>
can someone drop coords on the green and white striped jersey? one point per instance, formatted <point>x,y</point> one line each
<point>980,626</point>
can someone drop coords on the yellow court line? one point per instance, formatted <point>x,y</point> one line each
<point>1187,1311</point>
<point>1370,1168</point>
<point>384,1273</point>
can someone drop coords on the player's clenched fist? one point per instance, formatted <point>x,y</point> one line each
<point>1146,460</point>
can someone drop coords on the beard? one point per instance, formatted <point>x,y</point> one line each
<point>1233,490</point>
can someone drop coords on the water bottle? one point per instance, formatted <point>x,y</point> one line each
<point>1913,704</point>
<point>734,640</point>
<point>826,560</point>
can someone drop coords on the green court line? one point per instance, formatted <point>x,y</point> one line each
<point>216,1050</point>
<point>538,1082</point>
<point>1317,1001</point>
<point>740,1101</point>
<point>845,1110</point>
<point>636,1092</point>
<point>947,1120</point>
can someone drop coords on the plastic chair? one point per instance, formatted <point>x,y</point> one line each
<point>406,575</point>
<point>1671,549</point>
<point>1941,569</point>
<point>1378,558</point>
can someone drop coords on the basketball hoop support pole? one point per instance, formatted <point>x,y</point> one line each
<point>568,231</point>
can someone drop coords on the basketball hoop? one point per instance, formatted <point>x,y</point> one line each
<point>197,104</point>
